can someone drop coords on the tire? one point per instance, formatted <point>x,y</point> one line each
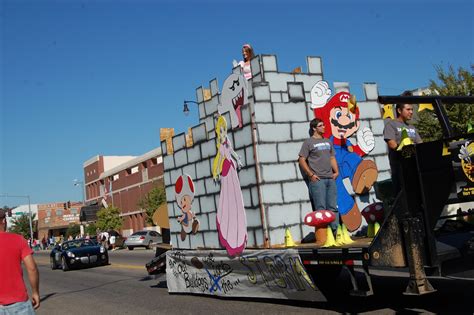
<point>64,264</point>
<point>130,247</point>
<point>325,278</point>
<point>149,245</point>
<point>52,263</point>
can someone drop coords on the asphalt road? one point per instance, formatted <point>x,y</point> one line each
<point>124,287</point>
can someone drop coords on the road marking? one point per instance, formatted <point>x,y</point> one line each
<point>41,261</point>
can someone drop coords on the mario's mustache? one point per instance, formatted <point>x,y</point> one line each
<point>338,125</point>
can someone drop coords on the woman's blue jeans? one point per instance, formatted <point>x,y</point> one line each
<point>324,194</point>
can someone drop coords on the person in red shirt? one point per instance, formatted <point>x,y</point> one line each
<point>13,294</point>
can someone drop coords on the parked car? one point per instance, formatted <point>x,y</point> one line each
<point>78,253</point>
<point>143,239</point>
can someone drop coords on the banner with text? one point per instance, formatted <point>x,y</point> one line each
<point>277,274</point>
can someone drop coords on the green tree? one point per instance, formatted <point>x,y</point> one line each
<point>91,229</point>
<point>21,225</point>
<point>73,230</point>
<point>152,201</point>
<point>109,219</point>
<point>451,83</point>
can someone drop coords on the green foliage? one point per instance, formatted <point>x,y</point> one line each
<point>451,83</point>
<point>21,225</point>
<point>73,230</point>
<point>91,229</point>
<point>151,202</point>
<point>109,219</point>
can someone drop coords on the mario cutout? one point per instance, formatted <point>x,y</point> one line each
<point>233,98</point>
<point>184,193</point>
<point>341,114</point>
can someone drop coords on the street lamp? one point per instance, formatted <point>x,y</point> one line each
<point>77,182</point>
<point>186,108</point>
<point>29,210</point>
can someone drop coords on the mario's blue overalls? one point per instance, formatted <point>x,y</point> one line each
<point>347,163</point>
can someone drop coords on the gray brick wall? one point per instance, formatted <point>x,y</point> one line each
<point>279,103</point>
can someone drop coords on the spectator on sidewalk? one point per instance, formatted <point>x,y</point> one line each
<point>13,294</point>
<point>44,243</point>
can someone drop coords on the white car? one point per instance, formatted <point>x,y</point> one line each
<point>143,239</point>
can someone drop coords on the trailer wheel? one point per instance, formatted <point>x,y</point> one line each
<point>325,277</point>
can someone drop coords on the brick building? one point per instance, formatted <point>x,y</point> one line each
<point>121,181</point>
<point>54,218</point>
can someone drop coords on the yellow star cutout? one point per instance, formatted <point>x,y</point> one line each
<point>388,111</point>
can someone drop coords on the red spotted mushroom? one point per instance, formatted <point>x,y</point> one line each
<point>320,219</point>
<point>373,214</point>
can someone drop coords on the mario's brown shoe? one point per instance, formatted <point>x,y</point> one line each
<point>352,219</point>
<point>364,177</point>
<point>183,235</point>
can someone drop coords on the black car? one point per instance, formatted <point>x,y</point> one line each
<point>78,253</point>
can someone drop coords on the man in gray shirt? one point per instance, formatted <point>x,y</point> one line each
<point>392,134</point>
<point>316,159</point>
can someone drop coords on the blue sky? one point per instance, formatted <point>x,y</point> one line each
<point>101,77</point>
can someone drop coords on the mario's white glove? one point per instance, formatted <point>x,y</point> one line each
<point>365,140</point>
<point>320,93</point>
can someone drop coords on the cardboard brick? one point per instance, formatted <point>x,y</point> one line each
<point>194,153</point>
<point>207,204</point>
<point>190,169</point>
<point>273,132</point>
<point>179,142</point>
<point>263,112</point>
<point>290,112</point>
<point>296,92</point>
<point>276,97</point>
<point>295,191</point>
<point>168,162</point>
<point>211,239</point>
<point>199,133</point>
<point>371,91</point>
<point>242,137</point>
<point>314,64</point>
<point>214,87</point>
<point>209,149</point>
<point>308,80</point>
<point>203,169</point>
<point>288,152</point>
<point>261,93</point>
<point>278,81</point>
<point>181,158</point>
<point>269,63</point>
<point>247,177</point>
<point>279,215</point>
<point>267,153</point>
<point>369,110</point>
<point>278,172</point>
<point>271,193</point>
<point>249,156</point>
<point>300,131</point>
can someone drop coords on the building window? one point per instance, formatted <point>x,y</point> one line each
<point>59,212</point>
<point>48,213</point>
<point>154,161</point>
<point>115,177</point>
<point>134,169</point>
<point>144,165</point>
<point>73,210</point>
